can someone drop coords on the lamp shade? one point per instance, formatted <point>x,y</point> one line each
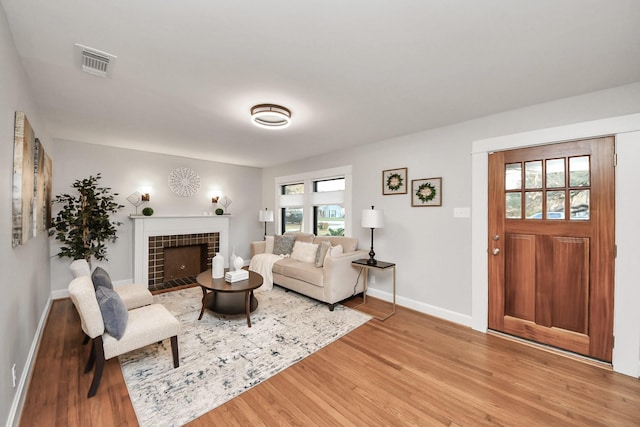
<point>265,216</point>
<point>372,218</point>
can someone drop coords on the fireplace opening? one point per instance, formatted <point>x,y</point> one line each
<point>184,262</point>
<point>176,260</point>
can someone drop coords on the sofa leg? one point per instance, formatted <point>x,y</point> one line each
<point>332,306</point>
<point>174,350</point>
<point>97,375</point>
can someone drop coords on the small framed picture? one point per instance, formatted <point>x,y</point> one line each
<point>426,192</point>
<point>394,181</point>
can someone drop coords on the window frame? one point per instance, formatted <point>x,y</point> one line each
<point>309,199</point>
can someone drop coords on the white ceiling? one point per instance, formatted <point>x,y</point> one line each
<point>351,71</point>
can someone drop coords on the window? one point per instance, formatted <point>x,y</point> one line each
<point>316,202</point>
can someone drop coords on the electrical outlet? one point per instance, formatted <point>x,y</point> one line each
<point>13,375</point>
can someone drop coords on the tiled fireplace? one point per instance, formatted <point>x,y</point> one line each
<point>156,234</point>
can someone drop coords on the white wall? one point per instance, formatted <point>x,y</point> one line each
<point>24,269</point>
<point>126,170</point>
<point>432,249</point>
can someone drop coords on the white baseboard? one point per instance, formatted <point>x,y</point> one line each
<point>27,371</point>
<point>63,293</point>
<point>431,310</point>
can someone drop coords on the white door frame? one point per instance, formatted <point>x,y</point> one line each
<point>626,353</point>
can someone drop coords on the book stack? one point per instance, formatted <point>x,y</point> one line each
<point>236,276</point>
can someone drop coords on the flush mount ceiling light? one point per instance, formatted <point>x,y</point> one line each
<point>270,116</point>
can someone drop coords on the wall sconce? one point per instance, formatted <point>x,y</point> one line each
<point>146,193</point>
<point>215,196</point>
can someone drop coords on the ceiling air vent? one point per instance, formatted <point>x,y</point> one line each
<point>94,61</point>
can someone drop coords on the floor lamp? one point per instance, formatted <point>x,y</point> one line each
<point>265,216</point>
<point>372,218</point>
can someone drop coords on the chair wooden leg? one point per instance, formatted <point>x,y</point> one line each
<point>174,350</point>
<point>97,375</point>
<point>92,357</point>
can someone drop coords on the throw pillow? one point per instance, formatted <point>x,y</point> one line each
<point>268,248</point>
<point>322,252</point>
<point>114,312</point>
<point>100,277</point>
<point>283,245</point>
<point>304,252</point>
<point>336,250</point>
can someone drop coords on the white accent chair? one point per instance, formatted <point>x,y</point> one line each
<point>145,325</point>
<point>133,295</point>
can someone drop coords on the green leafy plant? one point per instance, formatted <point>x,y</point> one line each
<point>336,231</point>
<point>83,224</point>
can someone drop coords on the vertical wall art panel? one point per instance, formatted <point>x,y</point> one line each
<point>23,180</point>
<point>43,174</point>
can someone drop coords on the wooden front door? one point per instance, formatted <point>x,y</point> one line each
<point>551,245</point>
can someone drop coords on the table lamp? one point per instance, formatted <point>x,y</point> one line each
<point>265,216</point>
<point>372,218</point>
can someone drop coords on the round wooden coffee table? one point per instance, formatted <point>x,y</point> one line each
<point>229,298</point>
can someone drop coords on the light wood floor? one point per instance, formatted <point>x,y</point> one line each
<point>409,370</point>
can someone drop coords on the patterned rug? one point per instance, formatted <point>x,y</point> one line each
<point>220,357</point>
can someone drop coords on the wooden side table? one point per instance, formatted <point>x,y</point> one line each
<point>379,265</point>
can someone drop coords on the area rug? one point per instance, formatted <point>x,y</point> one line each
<point>220,357</point>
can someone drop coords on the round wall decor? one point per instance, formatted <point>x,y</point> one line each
<point>184,182</point>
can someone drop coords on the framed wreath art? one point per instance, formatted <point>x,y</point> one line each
<point>426,192</point>
<point>394,181</point>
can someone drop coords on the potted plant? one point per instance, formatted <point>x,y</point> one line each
<point>83,225</point>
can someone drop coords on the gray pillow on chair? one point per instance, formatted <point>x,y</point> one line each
<point>100,277</point>
<point>114,312</point>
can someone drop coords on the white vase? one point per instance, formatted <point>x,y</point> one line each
<point>217,266</point>
<point>238,263</point>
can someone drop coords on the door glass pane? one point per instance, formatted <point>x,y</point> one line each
<point>533,174</point>
<point>579,171</point>
<point>292,218</point>
<point>513,205</point>
<point>580,208</point>
<point>533,204</point>
<point>555,204</point>
<point>555,173</point>
<point>513,176</point>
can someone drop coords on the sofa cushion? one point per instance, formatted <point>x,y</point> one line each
<point>305,252</point>
<point>301,237</point>
<point>283,245</point>
<point>114,312</point>
<point>305,271</point>
<point>349,244</point>
<point>100,277</point>
<point>268,247</point>
<point>322,253</point>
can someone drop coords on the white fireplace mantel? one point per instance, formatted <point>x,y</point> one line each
<point>149,226</point>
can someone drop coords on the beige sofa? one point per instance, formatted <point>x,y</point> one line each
<point>335,281</point>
